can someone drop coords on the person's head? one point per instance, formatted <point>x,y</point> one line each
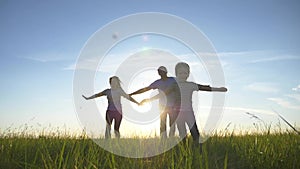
<point>114,82</point>
<point>182,71</point>
<point>162,71</point>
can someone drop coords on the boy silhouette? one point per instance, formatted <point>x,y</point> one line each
<point>183,103</point>
<point>183,91</point>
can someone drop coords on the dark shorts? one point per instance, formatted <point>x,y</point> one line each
<point>114,115</point>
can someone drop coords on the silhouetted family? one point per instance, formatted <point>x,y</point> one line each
<point>175,100</point>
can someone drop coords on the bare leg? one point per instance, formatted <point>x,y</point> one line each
<point>108,125</point>
<point>118,119</point>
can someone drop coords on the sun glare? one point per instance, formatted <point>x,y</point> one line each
<point>140,80</point>
<point>144,108</point>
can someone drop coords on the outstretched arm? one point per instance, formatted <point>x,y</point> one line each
<point>127,96</point>
<point>157,96</point>
<point>142,90</point>
<point>211,89</point>
<point>94,96</point>
<point>133,100</point>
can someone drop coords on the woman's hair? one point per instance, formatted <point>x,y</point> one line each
<point>118,80</point>
<point>182,65</point>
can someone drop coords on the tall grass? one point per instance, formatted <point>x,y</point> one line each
<point>260,150</point>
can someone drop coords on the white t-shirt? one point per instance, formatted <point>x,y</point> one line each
<point>185,94</point>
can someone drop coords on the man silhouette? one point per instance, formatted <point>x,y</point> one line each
<point>166,102</point>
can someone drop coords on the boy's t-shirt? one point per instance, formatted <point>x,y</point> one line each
<point>184,94</point>
<point>162,86</point>
<point>114,98</point>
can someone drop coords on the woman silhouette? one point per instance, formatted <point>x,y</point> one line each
<point>114,109</point>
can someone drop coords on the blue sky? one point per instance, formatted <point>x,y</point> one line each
<point>257,42</point>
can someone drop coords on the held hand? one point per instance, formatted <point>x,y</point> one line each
<point>144,101</point>
<point>85,97</point>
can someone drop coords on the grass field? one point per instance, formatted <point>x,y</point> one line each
<point>277,150</point>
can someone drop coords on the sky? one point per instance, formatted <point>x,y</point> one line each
<point>257,43</point>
